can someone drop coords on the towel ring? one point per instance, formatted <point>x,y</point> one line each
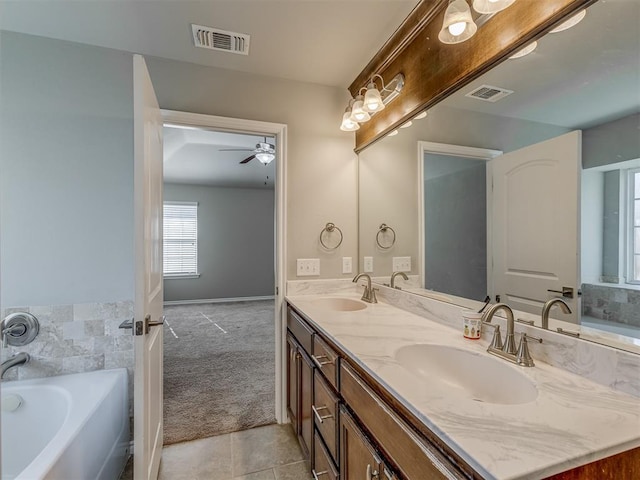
<point>383,229</point>
<point>330,228</point>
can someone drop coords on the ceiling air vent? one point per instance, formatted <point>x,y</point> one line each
<point>488,93</point>
<point>221,40</point>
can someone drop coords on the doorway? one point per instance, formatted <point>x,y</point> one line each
<point>222,311</point>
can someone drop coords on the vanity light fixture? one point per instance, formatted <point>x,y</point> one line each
<point>358,113</point>
<point>393,133</point>
<point>348,125</point>
<point>407,124</point>
<point>491,6</point>
<point>572,22</point>
<point>265,157</point>
<point>361,108</point>
<point>458,24</point>
<point>525,51</point>
<point>421,115</point>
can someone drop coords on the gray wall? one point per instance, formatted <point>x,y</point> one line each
<point>66,183</point>
<point>235,243</point>
<point>321,166</point>
<point>611,142</point>
<point>456,231</point>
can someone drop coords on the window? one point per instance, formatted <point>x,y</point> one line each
<point>634,226</point>
<point>180,232</point>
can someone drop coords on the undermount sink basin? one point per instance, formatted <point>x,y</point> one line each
<point>340,304</point>
<point>467,374</point>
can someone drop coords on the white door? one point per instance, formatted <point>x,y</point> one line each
<point>535,224</point>
<point>148,275</point>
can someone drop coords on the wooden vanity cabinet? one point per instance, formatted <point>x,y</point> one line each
<point>300,370</point>
<point>359,460</point>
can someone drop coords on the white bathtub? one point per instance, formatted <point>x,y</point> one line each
<point>71,427</point>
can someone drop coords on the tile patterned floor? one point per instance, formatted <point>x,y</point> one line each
<point>264,453</point>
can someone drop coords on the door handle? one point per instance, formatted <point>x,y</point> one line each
<point>148,323</point>
<point>566,292</point>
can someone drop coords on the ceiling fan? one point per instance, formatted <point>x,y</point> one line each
<point>264,152</point>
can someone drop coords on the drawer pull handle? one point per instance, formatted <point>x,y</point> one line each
<point>319,362</point>
<point>371,475</point>
<point>320,418</point>
<point>316,475</point>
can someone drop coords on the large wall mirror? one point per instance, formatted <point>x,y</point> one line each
<point>474,221</point>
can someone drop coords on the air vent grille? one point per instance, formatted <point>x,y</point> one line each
<point>489,93</point>
<point>221,40</point>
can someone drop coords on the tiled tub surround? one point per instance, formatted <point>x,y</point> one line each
<point>573,420</point>
<point>611,303</point>
<point>75,338</point>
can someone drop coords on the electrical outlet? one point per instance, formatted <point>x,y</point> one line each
<point>308,267</point>
<point>346,265</point>
<point>402,264</point>
<point>368,264</point>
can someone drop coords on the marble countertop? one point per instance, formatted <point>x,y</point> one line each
<point>572,422</point>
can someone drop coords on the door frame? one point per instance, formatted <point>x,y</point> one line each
<point>279,130</point>
<point>473,153</point>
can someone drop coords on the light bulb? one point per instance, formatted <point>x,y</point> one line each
<point>457,28</point>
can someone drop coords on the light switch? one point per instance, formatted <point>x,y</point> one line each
<point>308,267</point>
<point>368,264</point>
<point>402,264</point>
<point>347,265</point>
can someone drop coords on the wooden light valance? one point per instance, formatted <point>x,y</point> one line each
<point>434,70</point>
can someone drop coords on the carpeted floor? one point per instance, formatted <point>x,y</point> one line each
<point>219,369</point>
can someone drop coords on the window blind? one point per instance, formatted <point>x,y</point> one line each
<point>180,232</point>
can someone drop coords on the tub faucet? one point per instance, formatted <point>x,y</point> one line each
<point>16,360</point>
<point>393,279</point>
<point>369,294</point>
<point>547,308</point>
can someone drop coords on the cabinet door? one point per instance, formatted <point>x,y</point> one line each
<point>293,358</point>
<point>305,391</point>
<point>358,459</point>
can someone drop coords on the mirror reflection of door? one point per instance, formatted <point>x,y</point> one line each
<point>535,228</point>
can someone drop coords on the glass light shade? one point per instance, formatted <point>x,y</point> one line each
<point>458,24</point>
<point>572,22</point>
<point>392,134</point>
<point>265,158</point>
<point>406,125</point>
<point>491,6</point>
<point>358,114</point>
<point>421,115</point>
<point>348,125</point>
<point>372,99</point>
<point>525,51</point>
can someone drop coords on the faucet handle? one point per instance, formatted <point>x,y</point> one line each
<point>496,341</point>
<point>523,357</point>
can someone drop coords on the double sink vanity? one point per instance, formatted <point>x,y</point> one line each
<point>376,392</point>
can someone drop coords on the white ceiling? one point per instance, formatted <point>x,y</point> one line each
<point>193,156</point>
<point>582,77</point>
<point>319,41</point>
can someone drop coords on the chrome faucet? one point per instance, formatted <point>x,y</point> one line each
<point>369,294</point>
<point>508,350</point>
<point>547,308</point>
<point>16,360</point>
<point>393,279</point>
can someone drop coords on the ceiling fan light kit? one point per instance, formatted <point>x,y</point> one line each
<point>265,152</point>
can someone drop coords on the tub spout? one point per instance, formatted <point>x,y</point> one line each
<point>18,359</point>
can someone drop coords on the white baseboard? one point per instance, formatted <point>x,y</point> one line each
<point>219,300</point>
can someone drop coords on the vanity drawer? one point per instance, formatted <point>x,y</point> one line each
<point>413,457</point>
<point>299,329</point>
<point>326,359</point>
<point>323,467</point>
<point>325,409</point>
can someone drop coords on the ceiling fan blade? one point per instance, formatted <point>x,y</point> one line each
<point>248,159</point>
<point>235,149</point>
